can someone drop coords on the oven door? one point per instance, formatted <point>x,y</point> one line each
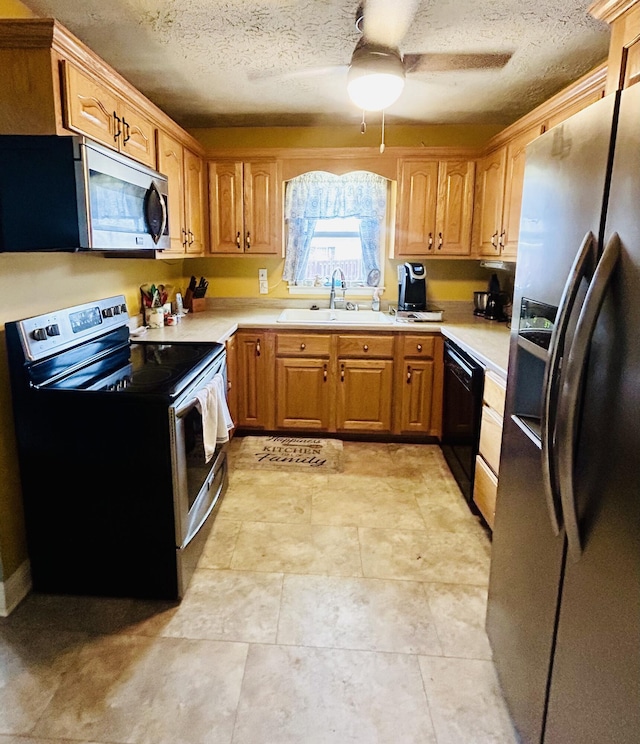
<point>197,484</point>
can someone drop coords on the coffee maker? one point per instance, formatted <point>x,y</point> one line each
<point>412,290</point>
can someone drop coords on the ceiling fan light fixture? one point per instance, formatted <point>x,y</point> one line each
<point>376,77</point>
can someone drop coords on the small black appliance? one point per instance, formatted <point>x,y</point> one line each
<point>412,290</point>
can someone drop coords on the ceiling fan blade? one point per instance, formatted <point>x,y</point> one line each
<point>438,62</point>
<point>309,72</point>
<point>386,22</point>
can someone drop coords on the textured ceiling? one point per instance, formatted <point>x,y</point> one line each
<point>284,62</point>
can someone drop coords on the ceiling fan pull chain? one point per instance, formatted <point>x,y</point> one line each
<point>363,126</point>
<point>382,142</point>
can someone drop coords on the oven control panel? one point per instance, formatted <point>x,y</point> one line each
<point>50,333</point>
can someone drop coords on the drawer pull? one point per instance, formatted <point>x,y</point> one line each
<point>365,347</point>
<point>419,347</point>
<point>303,347</point>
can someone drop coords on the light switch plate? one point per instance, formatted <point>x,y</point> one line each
<point>262,275</point>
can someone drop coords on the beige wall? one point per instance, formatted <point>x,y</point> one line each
<point>14,9</point>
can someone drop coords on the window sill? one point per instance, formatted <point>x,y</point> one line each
<point>324,291</point>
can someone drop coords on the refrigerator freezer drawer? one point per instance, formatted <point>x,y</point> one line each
<point>485,490</point>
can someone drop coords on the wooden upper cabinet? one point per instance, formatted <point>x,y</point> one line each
<point>624,47</point>
<point>244,207</point>
<point>194,203</point>
<point>500,177</point>
<point>514,181</point>
<point>487,214</point>
<point>417,197</point>
<point>454,207</point>
<point>93,110</point>
<point>436,201</point>
<point>171,163</point>
<point>185,172</point>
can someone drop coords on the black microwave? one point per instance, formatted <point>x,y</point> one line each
<point>72,194</point>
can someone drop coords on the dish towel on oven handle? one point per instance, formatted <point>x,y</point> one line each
<point>211,401</point>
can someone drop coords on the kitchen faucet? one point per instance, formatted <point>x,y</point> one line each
<point>332,294</point>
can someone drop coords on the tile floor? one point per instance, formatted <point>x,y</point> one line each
<point>328,609</point>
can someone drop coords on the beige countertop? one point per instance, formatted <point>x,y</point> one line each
<point>487,341</point>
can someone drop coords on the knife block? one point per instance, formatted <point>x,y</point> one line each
<point>194,304</point>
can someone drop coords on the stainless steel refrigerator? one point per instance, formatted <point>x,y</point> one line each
<point>563,614</point>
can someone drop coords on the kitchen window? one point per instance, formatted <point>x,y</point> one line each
<point>335,222</point>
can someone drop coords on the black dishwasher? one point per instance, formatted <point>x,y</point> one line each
<point>462,411</point>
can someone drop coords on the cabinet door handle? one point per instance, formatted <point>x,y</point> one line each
<point>248,241</point>
<point>342,373</point>
<point>365,348</point>
<point>440,241</point>
<point>127,130</point>
<point>238,241</point>
<point>191,237</point>
<point>430,241</point>
<point>184,237</point>
<point>501,239</point>
<point>493,239</point>
<point>118,131</point>
<point>258,347</point>
<point>303,347</point>
<point>408,375</point>
<point>419,347</point>
<point>324,373</point>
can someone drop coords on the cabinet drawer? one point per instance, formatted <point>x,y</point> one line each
<point>485,490</point>
<point>421,347</point>
<point>303,344</point>
<point>490,438</point>
<point>494,392</point>
<point>365,346</point>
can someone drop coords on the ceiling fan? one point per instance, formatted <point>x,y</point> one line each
<point>377,70</point>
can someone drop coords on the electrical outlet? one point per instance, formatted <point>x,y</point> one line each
<point>262,275</point>
<point>264,287</point>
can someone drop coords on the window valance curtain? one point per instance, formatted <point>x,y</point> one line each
<point>320,195</point>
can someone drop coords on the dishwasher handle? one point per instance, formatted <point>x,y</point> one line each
<point>462,368</point>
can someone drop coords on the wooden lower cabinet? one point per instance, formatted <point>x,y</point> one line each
<point>303,394</point>
<point>369,383</point>
<point>365,392</point>
<point>254,379</point>
<point>418,385</point>
<point>485,484</point>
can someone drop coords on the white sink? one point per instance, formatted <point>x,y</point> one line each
<point>334,317</point>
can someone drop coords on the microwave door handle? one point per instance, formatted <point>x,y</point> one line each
<point>572,382</point>
<point>163,204</point>
<point>582,268</point>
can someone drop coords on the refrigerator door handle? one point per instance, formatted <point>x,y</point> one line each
<point>582,267</point>
<point>572,380</point>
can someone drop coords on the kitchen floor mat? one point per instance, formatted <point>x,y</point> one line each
<point>299,454</point>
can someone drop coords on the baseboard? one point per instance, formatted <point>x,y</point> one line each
<point>14,589</point>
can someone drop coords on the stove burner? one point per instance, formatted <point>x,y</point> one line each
<point>149,377</point>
